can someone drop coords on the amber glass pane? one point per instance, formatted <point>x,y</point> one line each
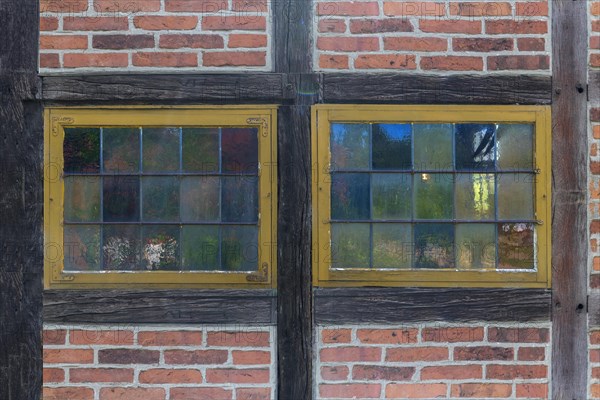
<point>434,245</point>
<point>161,149</point>
<point>350,146</point>
<point>160,198</point>
<point>121,247</point>
<point>350,246</point>
<point>515,246</point>
<point>392,246</point>
<point>475,197</point>
<point>200,248</point>
<point>433,196</point>
<point>515,196</point>
<point>350,196</point>
<point>392,146</point>
<point>433,146</point>
<point>239,149</point>
<point>392,196</point>
<point>475,146</point>
<point>239,248</point>
<point>200,198</point>
<point>82,248</point>
<point>515,146</point>
<point>476,246</point>
<point>160,247</point>
<point>121,198</point>
<point>81,150</point>
<point>82,198</point>
<point>121,149</point>
<point>201,149</point>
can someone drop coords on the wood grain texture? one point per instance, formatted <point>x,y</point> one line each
<point>411,305</point>
<point>393,88</point>
<point>159,306</point>
<point>569,181</point>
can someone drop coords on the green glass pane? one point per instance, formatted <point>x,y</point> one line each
<point>239,248</point>
<point>239,150</point>
<point>350,246</point>
<point>160,198</point>
<point>433,197</point>
<point>82,248</point>
<point>475,197</point>
<point>474,146</point>
<point>200,149</point>
<point>515,196</point>
<point>161,149</point>
<point>121,149</point>
<point>200,198</point>
<point>476,246</point>
<point>350,146</point>
<point>160,247</point>
<point>240,199</point>
<point>392,196</point>
<point>515,246</point>
<point>392,146</point>
<point>81,150</point>
<point>392,246</point>
<point>82,198</point>
<point>434,246</point>
<point>200,248</point>
<point>515,146</point>
<point>121,197</point>
<point>121,248</point>
<point>350,195</point>
<point>433,146</point>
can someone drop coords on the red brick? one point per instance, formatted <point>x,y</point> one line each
<point>515,27</point>
<point>158,23</point>
<point>452,372</point>
<point>63,42</point>
<point>478,390</point>
<point>481,44</point>
<point>332,25</point>
<point>122,42</point>
<point>415,391</point>
<point>128,356</point>
<point>595,42</point>
<point>446,26</point>
<point>64,6</point>
<point>251,357</point>
<point>516,371</point>
<point>195,356</point>
<point>336,335</point>
<point>170,376</point>
<point>384,61</point>
<point>112,60</point>
<point>337,373</point>
<point>48,23</point>
<point>95,24</point>
<point>595,281</point>
<point>348,43</point>
<point>177,41</point>
<point>380,25</point>
<point>238,339</point>
<point>595,356</point>
<point>333,61</point>
<point>532,390</point>
<point>481,353</point>
<point>250,6</point>
<point>126,6</point>
<point>480,9</point>
<point>379,372</point>
<point>101,337</point>
<point>415,44</point>
<point>595,114</point>
<point>412,354</point>
<point>54,336</point>
<point>204,393</point>
<point>170,338</point>
<point>68,356</point>
<point>195,6</point>
<point>452,335</point>
<point>49,61</point>
<point>595,169</point>
<point>235,59</point>
<point>595,373</point>
<point>531,354</point>
<point>350,390</point>
<point>531,44</point>
<point>100,375</point>
<point>387,336</point>
<point>595,391</point>
<point>532,9</point>
<point>595,337</point>
<point>341,354</point>
<point>247,41</point>
<point>230,375</point>
<point>595,224</point>
<point>414,8</point>
<point>165,60</point>
<point>53,375</point>
<point>253,394</point>
<point>596,132</point>
<point>518,335</point>
<point>238,22</point>
<point>596,26</point>
<point>595,10</point>
<point>518,62</point>
<point>132,394</point>
<point>70,393</point>
<point>346,8</point>
<point>595,60</point>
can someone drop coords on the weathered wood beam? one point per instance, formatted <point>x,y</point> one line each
<point>594,86</point>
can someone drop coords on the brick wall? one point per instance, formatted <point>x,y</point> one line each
<point>154,35</point>
<point>158,363</point>
<point>433,361</point>
<point>433,36</point>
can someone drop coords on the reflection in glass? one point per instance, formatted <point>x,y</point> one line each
<point>82,198</point>
<point>160,247</point>
<point>121,149</point>
<point>200,198</point>
<point>350,196</point>
<point>200,248</point>
<point>350,246</point>
<point>433,196</point>
<point>121,247</point>
<point>81,150</point>
<point>392,196</point>
<point>239,147</point>
<point>350,146</point>
<point>392,246</point>
<point>515,196</point>
<point>515,146</point>
<point>392,146</point>
<point>434,246</point>
<point>515,246</point>
<point>240,199</point>
<point>161,149</point>
<point>82,248</point>
<point>433,146</point>
<point>474,146</point>
<point>475,196</point>
<point>476,246</point>
<point>121,196</point>
<point>239,248</point>
<point>161,198</point>
<point>200,149</point>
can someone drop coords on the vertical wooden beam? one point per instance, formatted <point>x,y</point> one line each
<point>292,56</point>
<point>21,181</point>
<point>569,173</point>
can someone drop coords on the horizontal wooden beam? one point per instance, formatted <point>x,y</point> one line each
<point>409,305</point>
<point>160,306</point>
<point>594,86</point>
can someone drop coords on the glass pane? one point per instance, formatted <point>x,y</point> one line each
<point>240,199</point>
<point>81,150</point>
<point>161,198</point>
<point>82,248</point>
<point>433,146</point>
<point>515,246</point>
<point>350,246</point>
<point>515,146</point>
<point>121,248</point>
<point>434,245</point>
<point>160,249</point>
<point>350,146</point>
<point>121,149</point>
<point>475,196</point>
<point>82,198</point>
<point>161,149</point>
<point>200,149</point>
<point>392,146</point>
<point>433,196</point>
<point>239,248</point>
<point>476,246</point>
<point>475,146</point>
<point>239,149</point>
<point>392,246</point>
<point>392,196</point>
<point>350,196</point>
<point>200,248</point>
<point>121,196</point>
<point>515,196</point>
<point>200,198</point>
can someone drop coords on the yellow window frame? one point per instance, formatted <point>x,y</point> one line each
<point>324,114</point>
<point>263,117</point>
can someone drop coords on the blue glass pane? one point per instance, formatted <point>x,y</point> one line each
<point>515,146</point>
<point>350,196</point>
<point>434,246</point>
<point>161,149</point>
<point>240,199</point>
<point>121,149</point>
<point>200,198</point>
<point>392,146</point>
<point>350,146</point>
<point>392,196</point>
<point>161,198</point>
<point>121,195</point>
<point>475,146</point>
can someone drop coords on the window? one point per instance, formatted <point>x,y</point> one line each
<point>166,197</point>
<point>431,196</point>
